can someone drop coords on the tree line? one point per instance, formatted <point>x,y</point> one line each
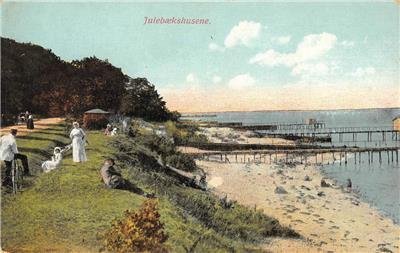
<point>35,79</point>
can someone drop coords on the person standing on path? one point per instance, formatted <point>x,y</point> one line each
<point>78,143</point>
<point>29,122</point>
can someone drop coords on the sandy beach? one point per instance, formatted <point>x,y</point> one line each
<point>229,135</point>
<point>329,218</point>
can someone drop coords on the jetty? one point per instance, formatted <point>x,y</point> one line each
<point>353,132</point>
<point>392,154</point>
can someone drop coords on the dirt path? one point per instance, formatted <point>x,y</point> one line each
<point>39,124</point>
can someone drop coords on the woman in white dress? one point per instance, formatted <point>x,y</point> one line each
<point>78,143</point>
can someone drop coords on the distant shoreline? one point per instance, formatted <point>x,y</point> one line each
<point>293,110</point>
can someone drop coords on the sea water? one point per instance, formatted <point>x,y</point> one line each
<point>377,183</point>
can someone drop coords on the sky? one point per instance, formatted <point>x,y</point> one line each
<point>249,56</point>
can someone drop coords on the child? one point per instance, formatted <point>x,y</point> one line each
<point>108,130</point>
<point>56,159</point>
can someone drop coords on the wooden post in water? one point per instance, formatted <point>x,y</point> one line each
<point>359,157</point>
<point>380,157</point>
<point>355,157</point>
<point>345,158</point>
<point>387,153</point>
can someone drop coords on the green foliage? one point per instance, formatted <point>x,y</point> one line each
<point>142,100</point>
<point>227,218</point>
<point>100,85</point>
<point>137,231</point>
<point>236,222</point>
<point>181,161</point>
<point>183,134</point>
<point>35,79</point>
<point>23,66</point>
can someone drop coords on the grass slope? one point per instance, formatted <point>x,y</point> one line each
<point>68,209</point>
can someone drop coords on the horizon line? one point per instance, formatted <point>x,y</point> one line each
<point>292,110</point>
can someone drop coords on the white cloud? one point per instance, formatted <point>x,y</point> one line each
<point>215,47</point>
<point>216,79</point>
<point>310,69</point>
<point>242,34</point>
<point>241,82</point>
<point>347,43</point>
<point>191,78</point>
<point>360,72</point>
<point>281,40</point>
<point>312,47</point>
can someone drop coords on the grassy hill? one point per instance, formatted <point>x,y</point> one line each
<point>69,209</point>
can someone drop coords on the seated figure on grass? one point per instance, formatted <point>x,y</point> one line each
<point>56,159</point>
<point>113,179</point>
<point>108,130</point>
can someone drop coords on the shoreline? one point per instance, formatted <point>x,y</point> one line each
<point>336,221</point>
<point>361,197</point>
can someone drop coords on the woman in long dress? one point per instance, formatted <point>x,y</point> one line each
<point>29,122</point>
<point>78,143</point>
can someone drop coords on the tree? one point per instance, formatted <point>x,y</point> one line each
<point>99,84</point>
<point>35,79</point>
<point>142,100</point>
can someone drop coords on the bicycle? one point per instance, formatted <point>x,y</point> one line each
<point>17,175</point>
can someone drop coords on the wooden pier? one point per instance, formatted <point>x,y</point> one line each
<point>318,155</point>
<point>281,126</point>
<point>354,134</point>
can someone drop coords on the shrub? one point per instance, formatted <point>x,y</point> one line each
<point>137,231</point>
<point>181,161</point>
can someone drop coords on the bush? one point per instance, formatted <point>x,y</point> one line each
<point>181,161</point>
<point>137,231</point>
<point>183,134</point>
<point>234,220</point>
